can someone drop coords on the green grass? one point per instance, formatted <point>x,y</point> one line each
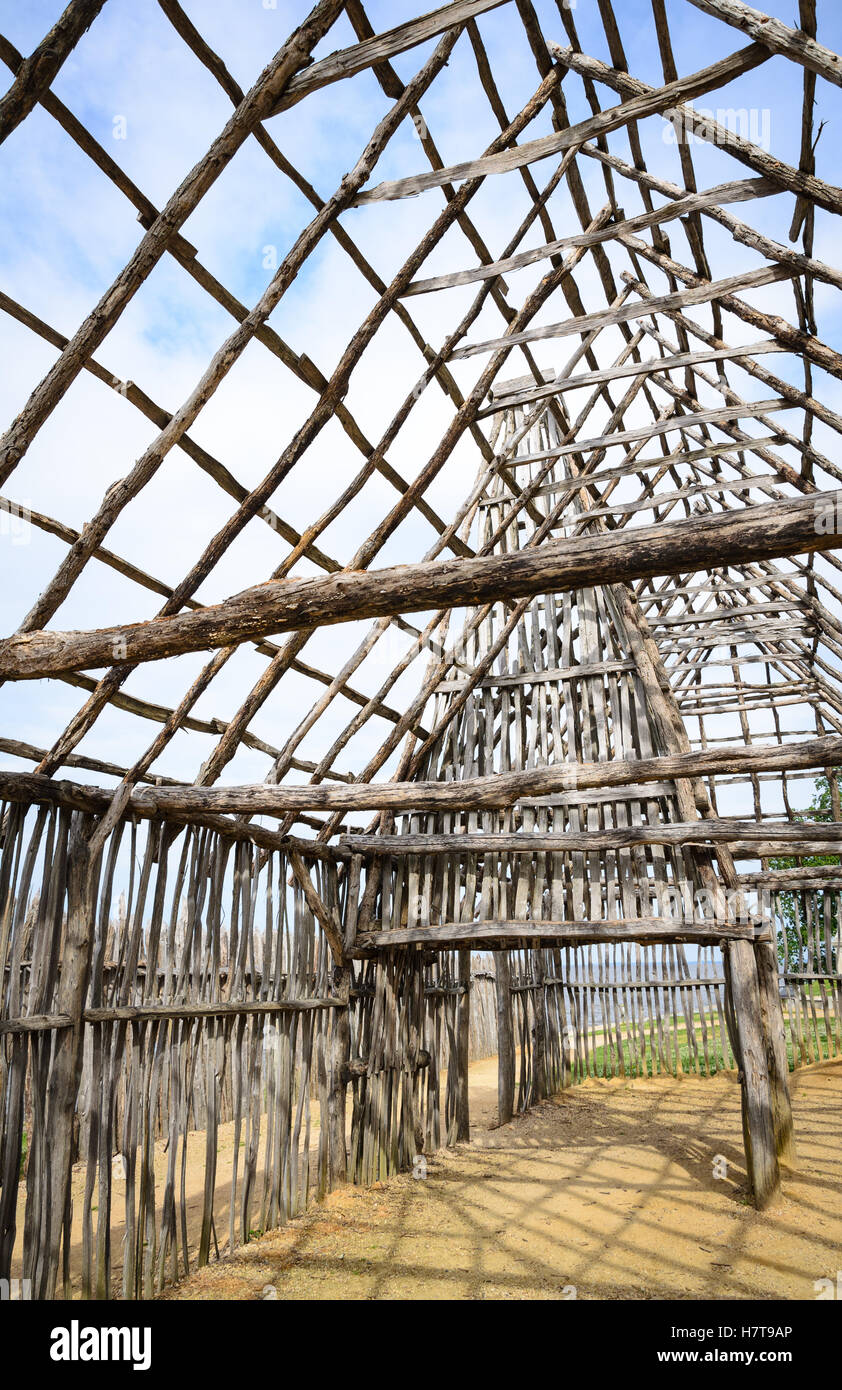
<point>605,1056</point>
<point>818,1038</point>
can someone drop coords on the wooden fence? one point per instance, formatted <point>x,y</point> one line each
<point>174,1065</point>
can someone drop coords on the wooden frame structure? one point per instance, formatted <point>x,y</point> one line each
<point>552,760</point>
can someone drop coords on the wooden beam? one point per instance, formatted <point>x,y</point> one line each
<point>154,244</point>
<point>723,538</point>
<point>777,37</point>
<point>738,192</point>
<point>532,842</point>
<point>495,791</point>
<point>550,673</point>
<point>702,293</point>
<point>348,61</point>
<point>655,100</point>
<point>502,935</point>
<point>673,422</point>
<point>651,366</point>
<point>825,195</point>
<point>38,71</point>
<point>327,920</point>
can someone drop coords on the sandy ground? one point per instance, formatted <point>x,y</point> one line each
<point>608,1190</point>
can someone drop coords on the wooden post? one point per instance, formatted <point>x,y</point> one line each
<point>340,1057</point>
<point>505,1040</point>
<point>463,1032</point>
<point>340,1043</point>
<point>539,1041</point>
<point>65,1073</point>
<point>757,1093</point>
<point>766,960</point>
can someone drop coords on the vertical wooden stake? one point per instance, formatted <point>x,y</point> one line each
<point>65,1074</point>
<point>463,1032</point>
<point>340,1056</point>
<point>505,1040</point>
<point>773,1025</point>
<point>539,1041</point>
<point>757,1095</point>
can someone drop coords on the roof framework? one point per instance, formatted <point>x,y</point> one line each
<point>582,594</point>
<point>670,376</point>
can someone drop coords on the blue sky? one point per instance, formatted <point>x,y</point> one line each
<point>66,232</point>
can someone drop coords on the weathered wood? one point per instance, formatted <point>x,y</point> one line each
<point>553,811</point>
<point>777,37</point>
<point>759,1128</point>
<point>187,196</point>
<point>496,935</point>
<point>725,193</point>
<point>672,423</point>
<point>757,533</point>
<point>66,1070</point>
<point>42,66</point>
<point>494,791</point>
<point>461,1060</point>
<point>46,1023</point>
<point>348,61</point>
<point>505,1040</point>
<point>679,299</point>
<point>684,89</point>
<point>557,673</point>
<point>651,367</point>
<point>703,125</point>
<point>534,842</point>
<point>328,921</point>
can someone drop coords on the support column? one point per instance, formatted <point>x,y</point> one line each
<point>749,1044</point>
<point>757,1015</point>
<point>340,1057</point>
<point>539,1040</point>
<point>66,1070</point>
<point>340,1042</point>
<point>463,1033</point>
<point>505,1039</point>
<point>766,960</point>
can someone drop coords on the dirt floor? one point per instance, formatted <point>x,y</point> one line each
<point>607,1191</point>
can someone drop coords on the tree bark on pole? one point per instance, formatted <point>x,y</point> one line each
<point>463,1027</point>
<point>505,1039</point>
<point>66,1071</point>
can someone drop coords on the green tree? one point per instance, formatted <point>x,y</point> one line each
<point>791,926</point>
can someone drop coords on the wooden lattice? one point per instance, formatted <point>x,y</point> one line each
<point>575,686</point>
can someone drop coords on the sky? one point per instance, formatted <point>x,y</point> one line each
<point>66,232</point>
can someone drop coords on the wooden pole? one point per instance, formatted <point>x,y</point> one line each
<point>766,961</point>
<point>505,1039</point>
<point>340,1057</point>
<point>66,1070</point>
<point>758,1096</point>
<point>463,1024</point>
<point>754,533</point>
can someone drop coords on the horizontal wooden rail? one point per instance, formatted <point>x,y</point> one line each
<point>146,1013</point>
<point>724,538</point>
<point>679,833</point>
<point>499,790</point>
<point>653,983</point>
<point>501,935</point>
<point>651,103</point>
